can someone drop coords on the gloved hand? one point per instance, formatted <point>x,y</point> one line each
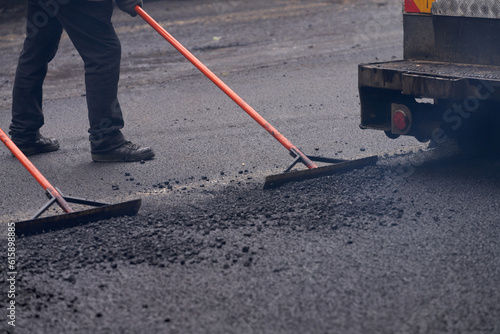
<point>128,6</point>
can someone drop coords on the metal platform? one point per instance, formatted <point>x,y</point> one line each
<point>483,72</point>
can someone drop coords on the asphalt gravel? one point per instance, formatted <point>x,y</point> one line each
<point>374,250</point>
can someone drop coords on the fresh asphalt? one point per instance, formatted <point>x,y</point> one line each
<point>407,246</point>
<point>293,62</point>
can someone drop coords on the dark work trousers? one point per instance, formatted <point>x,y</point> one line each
<point>88,25</point>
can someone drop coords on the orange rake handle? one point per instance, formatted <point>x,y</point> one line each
<point>34,172</point>
<point>225,88</point>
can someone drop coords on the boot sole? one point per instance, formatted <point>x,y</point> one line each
<point>38,150</point>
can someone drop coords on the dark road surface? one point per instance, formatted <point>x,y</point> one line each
<point>410,245</point>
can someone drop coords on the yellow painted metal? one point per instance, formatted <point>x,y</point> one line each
<point>424,5</point>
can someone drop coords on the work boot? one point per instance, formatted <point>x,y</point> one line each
<point>128,152</point>
<point>41,145</point>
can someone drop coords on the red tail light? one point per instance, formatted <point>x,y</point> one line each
<point>400,120</point>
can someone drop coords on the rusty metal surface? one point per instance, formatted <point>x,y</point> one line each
<point>431,79</point>
<point>483,72</point>
<point>467,8</point>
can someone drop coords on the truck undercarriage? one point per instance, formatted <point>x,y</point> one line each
<point>447,85</point>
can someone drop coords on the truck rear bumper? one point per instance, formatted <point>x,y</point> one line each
<point>384,85</point>
<point>429,79</point>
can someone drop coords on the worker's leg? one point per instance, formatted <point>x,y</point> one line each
<point>43,32</point>
<point>88,24</point>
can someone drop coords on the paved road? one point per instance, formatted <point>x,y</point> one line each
<point>295,62</point>
<point>407,246</point>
